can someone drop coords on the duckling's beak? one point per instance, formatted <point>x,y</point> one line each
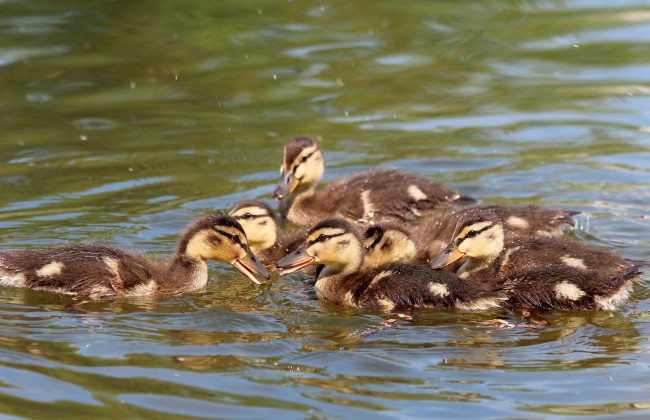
<point>448,256</point>
<point>249,266</point>
<point>295,261</point>
<point>287,184</point>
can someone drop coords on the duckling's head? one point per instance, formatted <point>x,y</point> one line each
<point>302,167</point>
<point>478,236</point>
<point>334,243</point>
<point>388,243</point>
<point>258,221</point>
<point>219,237</point>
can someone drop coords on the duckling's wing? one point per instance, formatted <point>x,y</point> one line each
<point>407,286</point>
<point>568,288</point>
<point>81,270</point>
<point>392,194</point>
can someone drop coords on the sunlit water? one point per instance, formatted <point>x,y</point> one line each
<point>121,121</point>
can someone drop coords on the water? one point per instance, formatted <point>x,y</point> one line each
<point>122,121</point>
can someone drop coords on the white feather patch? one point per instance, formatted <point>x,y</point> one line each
<point>570,291</point>
<point>517,222</point>
<point>438,289</point>
<point>416,193</point>
<point>51,269</point>
<point>573,262</point>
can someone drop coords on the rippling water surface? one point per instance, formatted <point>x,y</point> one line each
<point>123,120</point>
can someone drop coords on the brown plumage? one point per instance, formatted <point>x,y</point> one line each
<point>100,272</point>
<point>381,194</point>
<point>562,271</point>
<point>337,245</point>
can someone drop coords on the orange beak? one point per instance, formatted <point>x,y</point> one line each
<point>249,266</point>
<point>448,256</point>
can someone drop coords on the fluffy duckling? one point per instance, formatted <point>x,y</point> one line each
<point>103,272</point>
<point>336,244</point>
<point>420,242</point>
<point>261,227</point>
<point>567,273</point>
<point>375,195</point>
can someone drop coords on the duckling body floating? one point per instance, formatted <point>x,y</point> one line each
<point>103,272</point>
<point>420,242</point>
<point>336,244</point>
<point>539,272</point>
<point>381,194</point>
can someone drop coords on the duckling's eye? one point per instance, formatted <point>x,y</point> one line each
<point>304,159</point>
<point>248,216</point>
<point>321,237</point>
<point>471,233</point>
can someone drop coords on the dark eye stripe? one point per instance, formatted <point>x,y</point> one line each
<point>234,238</point>
<point>304,159</point>
<point>249,216</point>
<point>324,237</point>
<point>472,234</point>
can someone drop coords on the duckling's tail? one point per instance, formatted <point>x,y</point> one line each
<point>634,270</point>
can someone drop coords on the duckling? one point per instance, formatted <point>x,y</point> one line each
<point>261,227</point>
<point>562,270</point>
<point>337,245</point>
<point>370,196</point>
<point>103,272</point>
<point>420,242</point>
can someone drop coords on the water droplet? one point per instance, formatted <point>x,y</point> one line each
<point>132,85</point>
<point>275,77</point>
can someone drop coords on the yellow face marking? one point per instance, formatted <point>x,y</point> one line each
<point>325,231</point>
<point>51,269</point>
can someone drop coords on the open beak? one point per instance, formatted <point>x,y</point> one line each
<point>448,256</point>
<point>287,184</point>
<point>295,261</point>
<point>249,266</point>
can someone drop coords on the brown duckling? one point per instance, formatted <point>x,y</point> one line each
<point>103,272</point>
<point>568,273</point>
<point>420,242</point>
<point>337,245</point>
<point>375,195</point>
<point>261,227</point>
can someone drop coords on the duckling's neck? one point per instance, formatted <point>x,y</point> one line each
<point>184,274</point>
<point>296,198</point>
<point>332,283</point>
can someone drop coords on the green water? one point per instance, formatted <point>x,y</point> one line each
<point>122,120</point>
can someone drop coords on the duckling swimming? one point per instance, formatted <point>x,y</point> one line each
<point>261,227</point>
<point>375,195</point>
<point>337,245</point>
<point>103,272</point>
<point>420,242</point>
<point>566,273</point>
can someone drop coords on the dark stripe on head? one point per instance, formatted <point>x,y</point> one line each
<point>253,203</point>
<point>293,148</point>
<point>207,222</point>
<point>473,233</point>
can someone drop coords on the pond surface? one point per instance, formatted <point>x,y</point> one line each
<point>123,120</point>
